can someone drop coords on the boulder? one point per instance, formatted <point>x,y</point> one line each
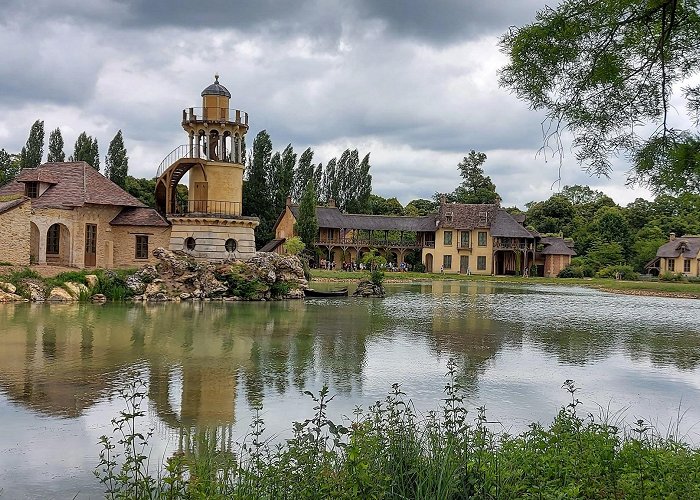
<point>91,280</point>
<point>366,288</point>
<point>98,298</point>
<point>58,294</point>
<point>173,265</point>
<point>75,289</point>
<point>8,287</point>
<point>36,292</point>
<point>9,297</point>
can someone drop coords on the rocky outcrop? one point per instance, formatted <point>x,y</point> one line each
<point>75,289</point>
<point>10,297</point>
<point>178,276</point>
<point>366,288</point>
<point>36,291</point>
<point>8,287</point>
<point>91,280</point>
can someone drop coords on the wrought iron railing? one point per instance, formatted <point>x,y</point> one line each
<point>464,245</point>
<point>212,208</point>
<point>214,114</point>
<point>182,151</point>
<point>512,246</point>
<point>375,242</point>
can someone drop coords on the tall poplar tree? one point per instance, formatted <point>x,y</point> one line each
<point>285,182</point>
<point>307,223</point>
<point>86,150</point>
<point>33,151</point>
<point>303,173</point>
<point>56,153</point>
<point>257,200</point>
<point>116,161</point>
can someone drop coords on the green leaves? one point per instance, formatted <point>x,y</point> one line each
<point>600,69</point>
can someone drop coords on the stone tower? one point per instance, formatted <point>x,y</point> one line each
<point>209,224</point>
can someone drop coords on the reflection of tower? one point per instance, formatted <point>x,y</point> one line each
<point>209,224</point>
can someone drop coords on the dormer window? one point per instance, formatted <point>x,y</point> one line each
<point>31,189</point>
<point>448,217</point>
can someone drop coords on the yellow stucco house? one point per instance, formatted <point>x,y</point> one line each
<point>459,238</point>
<point>679,255</point>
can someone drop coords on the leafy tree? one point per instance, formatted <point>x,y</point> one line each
<point>420,207</point>
<point>9,166</point>
<point>581,195</point>
<point>384,206</point>
<point>475,186</point>
<point>257,198</point>
<point>646,243</point>
<point>86,150</point>
<point>116,161</point>
<point>600,69</point>
<point>605,254</point>
<point>670,164</point>
<point>551,216</point>
<point>143,189</point>
<point>56,153</point>
<point>610,226</point>
<point>307,223</point>
<point>33,151</point>
<point>285,183</point>
<point>294,245</point>
<point>303,174</point>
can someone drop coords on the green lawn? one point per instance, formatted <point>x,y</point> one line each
<point>686,289</point>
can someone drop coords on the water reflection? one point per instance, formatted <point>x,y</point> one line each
<point>61,359</point>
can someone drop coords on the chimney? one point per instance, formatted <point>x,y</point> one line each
<point>288,202</point>
<point>498,201</point>
<point>443,199</point>
<point>331,203</point>
<point>671,236</point>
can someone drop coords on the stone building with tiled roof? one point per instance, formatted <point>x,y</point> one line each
<point>459,238</point>
<point>678,255</point>
<point>74,216</point>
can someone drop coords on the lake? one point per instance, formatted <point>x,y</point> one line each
<point>207,365</point>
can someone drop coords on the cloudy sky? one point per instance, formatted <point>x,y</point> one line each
<point>412,82</point>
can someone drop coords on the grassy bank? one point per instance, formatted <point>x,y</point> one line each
<point>689,290</point>
<point>390,451</point>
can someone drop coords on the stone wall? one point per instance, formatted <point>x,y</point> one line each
<point>210,236</point>
<point>124,241</point>
<point>555,263</point>
<point>14,228</point>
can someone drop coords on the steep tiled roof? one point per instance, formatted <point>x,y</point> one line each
<point>272,244</point>
<point>10,204</point>
<point>72,185</point>
<point>333,217</point>
<point>139,216</point>
<point>685,246</point>
<point>503,225</point>
<point>556,246</point>
<point>463,216</point>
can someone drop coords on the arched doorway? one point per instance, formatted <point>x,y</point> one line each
<point>428,263</point>
<point>58,245</point>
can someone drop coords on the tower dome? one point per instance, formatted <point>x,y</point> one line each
<point>216,89</point>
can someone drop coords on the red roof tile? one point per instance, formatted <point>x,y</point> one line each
<point>73,185</point>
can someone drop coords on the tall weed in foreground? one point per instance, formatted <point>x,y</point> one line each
<point>389,451</point>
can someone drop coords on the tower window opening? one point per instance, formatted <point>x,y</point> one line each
<point>190,243</point>
<point>231,245</point>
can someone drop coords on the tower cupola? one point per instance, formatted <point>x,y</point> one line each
<point>216,89</point>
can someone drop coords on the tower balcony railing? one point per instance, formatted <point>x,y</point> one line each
<point>214,114</point>
<point>208,208</point>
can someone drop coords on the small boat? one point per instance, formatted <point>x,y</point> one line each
<point>310,292</point>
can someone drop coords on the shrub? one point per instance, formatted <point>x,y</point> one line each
<point>571,272</point>
<point>419,267</point>
<point>377,277</point>
<point>670,276</point>
<point>621,272</point>
<point>112,284</point>
<point>280,289</point>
